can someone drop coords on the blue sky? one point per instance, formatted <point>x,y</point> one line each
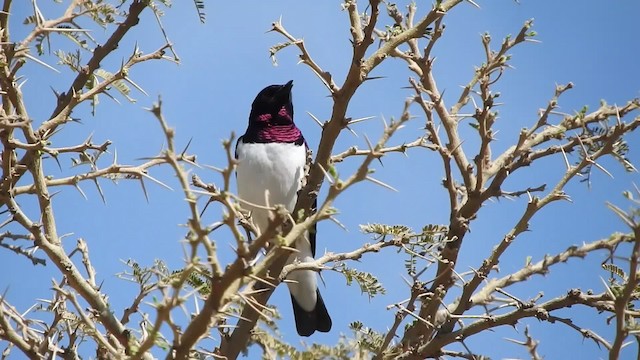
<point>225,62</point>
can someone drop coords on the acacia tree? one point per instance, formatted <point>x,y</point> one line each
<point>232,299</point>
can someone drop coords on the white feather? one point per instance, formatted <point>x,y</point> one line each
<point>270,174</point>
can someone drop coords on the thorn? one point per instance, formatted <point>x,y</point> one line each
<point>322,279</point>
<point>89,138</point>
<point>366,138</point>
<point>80,190</point>
<point>104,200</point>
<point>374,78</point>
<point>355,121</point>
<point>384,122</point>
<point>566,159</point>
<point>144,189</point>
<point>58,162</point>
<point>316,120</point>
<point>216,169</point>
<point>475,105</point>
<point>188,161</point>
<point>351,131</point>
<point>36,60</point>
<point>6,222</point>
<point>22,83</point>
<point>602,169</point>
<point>618,119</point>
<point>378,182</point>
<point>186,147</point>
<point>135,85</point>
<point>156,181</point>
<point>326,175</point>
<point>205,206</point>
<point>337,222</point>
<point>258,279</point>
<point>607,288</point>
<point>146,158</point>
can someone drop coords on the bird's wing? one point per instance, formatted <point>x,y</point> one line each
<point>312,230</point>
<point>235,154</point>
<point>314,208</point>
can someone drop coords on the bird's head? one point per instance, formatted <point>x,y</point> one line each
<point>272,106</point>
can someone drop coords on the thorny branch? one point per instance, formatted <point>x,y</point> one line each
<point>26,150</point>
<point>484,180</point>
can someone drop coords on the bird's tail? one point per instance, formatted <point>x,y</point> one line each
<point>307,322</point>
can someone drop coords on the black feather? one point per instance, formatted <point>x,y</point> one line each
<point>308,322</point>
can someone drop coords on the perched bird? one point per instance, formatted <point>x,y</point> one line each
<point>271,157</point>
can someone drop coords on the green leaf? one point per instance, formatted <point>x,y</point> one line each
<point>368,283</point>
<point>382,229</point>
<point>367,338</point>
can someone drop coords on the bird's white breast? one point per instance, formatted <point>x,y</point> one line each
<point>276,167</point>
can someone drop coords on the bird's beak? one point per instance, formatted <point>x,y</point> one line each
<point>287,87</point>
<point>285,91</point>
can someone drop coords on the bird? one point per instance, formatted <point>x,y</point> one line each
<point>270,162</point>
